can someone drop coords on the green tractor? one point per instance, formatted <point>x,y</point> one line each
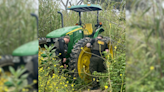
<point>26,55</point>
<point>80,35</point>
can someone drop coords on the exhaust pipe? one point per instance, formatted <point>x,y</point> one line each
<point>42,40</point>
<point>61,18</point>
<point>34,15</point>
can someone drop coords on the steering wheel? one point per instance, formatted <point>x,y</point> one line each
<point>83,25</point>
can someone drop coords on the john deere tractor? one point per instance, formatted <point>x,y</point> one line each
<point>78,55</point>
<point>26,55</point>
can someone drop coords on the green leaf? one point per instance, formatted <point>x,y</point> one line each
<point>12,70</point>
<point>21,72</point>
<point>24,76</point>
<point>46,47</point>
<point>145,11</point>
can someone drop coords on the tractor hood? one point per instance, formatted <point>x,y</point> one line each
<point>62,31</point>
<point>27,49</point>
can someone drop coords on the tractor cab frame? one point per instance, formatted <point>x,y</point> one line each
<point>88,30</point>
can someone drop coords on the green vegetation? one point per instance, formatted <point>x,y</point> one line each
<point>114,26</point>
<point>145,35</point>
<point>17,26</point>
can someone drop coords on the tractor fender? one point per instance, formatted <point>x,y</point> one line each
<point>98,31</point>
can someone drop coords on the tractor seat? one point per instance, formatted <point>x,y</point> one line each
<point>88,30</point>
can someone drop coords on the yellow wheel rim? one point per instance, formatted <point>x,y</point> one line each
<point>83,63</point>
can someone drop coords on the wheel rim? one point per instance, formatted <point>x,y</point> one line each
<point>83,62</point>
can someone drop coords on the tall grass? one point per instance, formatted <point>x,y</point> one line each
<point>16,24</point>
<point>114,26</point>
<point>49,19</point>
<point>144,70</point>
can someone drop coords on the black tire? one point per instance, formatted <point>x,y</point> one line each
<point>75,55</point>
<point>6,60</point>
<point>42,41</point>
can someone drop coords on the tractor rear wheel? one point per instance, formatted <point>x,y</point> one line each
<point>80,59</point>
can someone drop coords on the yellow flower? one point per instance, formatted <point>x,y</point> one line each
<point>120,74</point>
<point>88,89</point>
<point>106,87</point>
<point>6,89</point>
<point>65,85</point>
<point>56,87</point>
<point>50,86</point>
<point>54,65</point>
<point>23,89</point>
<point>59,53</point>
<point>93,79</point>
<point>108,63</point>
<point>115,47</point>
<point>74,78</point>
<point>34,81</point>
<point>81,47</point>
<point>152,68</point>
<point>110,25</point>
<point>97,80</point>
<point>72,85</point>
<point>0,70</point>
<point>0,57</point>
<point>67,82</point>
